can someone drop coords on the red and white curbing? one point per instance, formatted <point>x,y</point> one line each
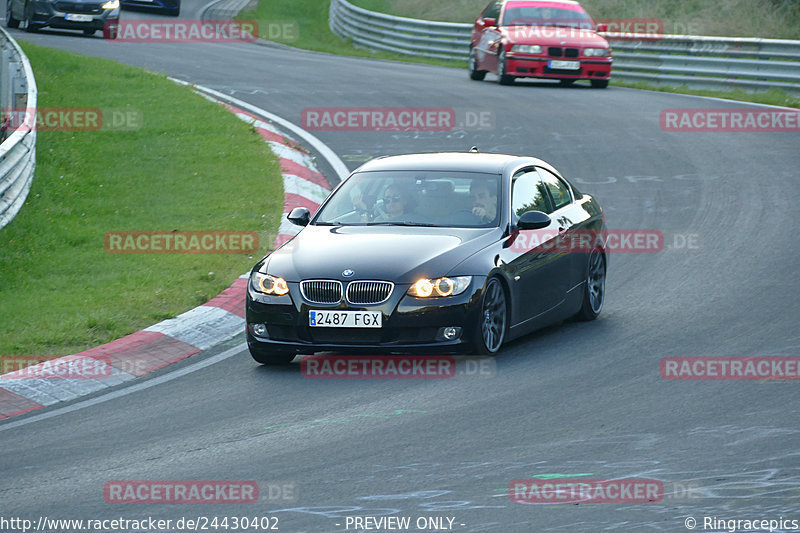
<point>303,184</point>
<point>187,334</point>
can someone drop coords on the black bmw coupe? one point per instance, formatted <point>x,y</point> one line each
<point>429,253</point>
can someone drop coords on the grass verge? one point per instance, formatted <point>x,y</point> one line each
<point>191,166</point>
<point>775,97</point>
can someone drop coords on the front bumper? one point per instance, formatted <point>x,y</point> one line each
<point>410,325</point>
<point>538,67</point>
<point>55,15</point>
<point>171,5</point>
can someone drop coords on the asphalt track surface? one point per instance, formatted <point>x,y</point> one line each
<point>577,398</point>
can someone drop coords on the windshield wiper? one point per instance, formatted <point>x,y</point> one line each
<point>329,224</point>
<point>406,223</point>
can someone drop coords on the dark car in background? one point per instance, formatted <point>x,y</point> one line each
<point>428,253</point>
<point>88,16</point>
<point>550,39</point>
<point>170,7</point>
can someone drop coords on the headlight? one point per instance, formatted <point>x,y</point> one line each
<point>527,48</point>
<point>595,52</point>
<point>426,288</point>
<point>266,284</point>
<point>111,4</point>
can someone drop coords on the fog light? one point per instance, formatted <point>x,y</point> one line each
<point>260,330</point>
<point>451,333</point>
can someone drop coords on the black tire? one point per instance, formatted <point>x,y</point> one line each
<point>599,84</point>
<point>502,77</point>
<point>269,357</point>
<point>474,73</point>
<point>492,322</point>
<point>566,83</point>
<point>11,22</point>
<point>30,27</point>
<point>89,33</point>
<point>594,290</point>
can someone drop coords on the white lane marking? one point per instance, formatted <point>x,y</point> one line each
<point>333,160</point>
<point>175,374</point>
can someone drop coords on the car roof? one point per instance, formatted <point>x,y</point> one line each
<point>450,161</point>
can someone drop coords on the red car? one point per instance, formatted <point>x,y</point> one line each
<point>553,39</point>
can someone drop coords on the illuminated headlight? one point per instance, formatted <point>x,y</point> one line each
<point>427,288</point>
<point>266,284</point>
<point>527,48</point>
<point>111,4</point>
<point>595,52</point>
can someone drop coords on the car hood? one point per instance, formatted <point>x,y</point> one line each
<point>393,253</point>
<point>551,36</point>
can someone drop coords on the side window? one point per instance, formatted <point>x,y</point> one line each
<point>559,191</point>
<point>492,10</point>
<point>528,194</point>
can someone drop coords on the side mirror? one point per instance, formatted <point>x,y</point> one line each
<point>489,22</point>
<point>299,216</point>
<point>602,28</point>
<point>533,220</point>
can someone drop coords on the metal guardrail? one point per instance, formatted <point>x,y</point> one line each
<point>444,40</point>
<point>719,63</point>
<point>18,151</point>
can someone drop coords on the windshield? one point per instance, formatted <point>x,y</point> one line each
<point>415,198</point>
<point>546,16</point>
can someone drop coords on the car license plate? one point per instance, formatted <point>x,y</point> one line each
<point>75,17</point>
<point>565,65</point>
<point>345,319</point>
